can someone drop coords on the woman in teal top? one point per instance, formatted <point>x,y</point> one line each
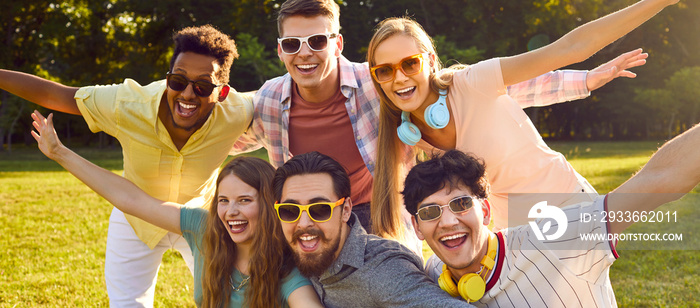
<point>241,255</point>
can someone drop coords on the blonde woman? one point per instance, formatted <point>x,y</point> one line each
<point>241,255</point>
<point>473,114</point>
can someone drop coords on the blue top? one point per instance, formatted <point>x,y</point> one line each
<point>192,224</point>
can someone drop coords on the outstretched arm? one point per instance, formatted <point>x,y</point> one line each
<point>580,43</point>
<point>40,91</point>
<point>567,85</point>
<point>671,172</point>
<point>117,190</point>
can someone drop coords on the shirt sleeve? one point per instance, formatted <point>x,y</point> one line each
<point>391,287</point>
<point>192,223</point>
<point>98,106</point>
<point>254,136</point>
<point>292,282</point>
<point>550,88</point>
<point>485,78</point>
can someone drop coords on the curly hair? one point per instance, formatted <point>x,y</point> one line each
<point>207,40</point>
<point>271,257</point>
<point>451,169</point>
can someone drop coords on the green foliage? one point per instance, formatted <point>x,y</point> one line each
<point>450,54</point>
<point>676,104</point>
<point>256,60</point>
<point>102,42</point>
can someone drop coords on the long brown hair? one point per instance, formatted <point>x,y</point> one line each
<point>271,257</point>
<point>386,204</point>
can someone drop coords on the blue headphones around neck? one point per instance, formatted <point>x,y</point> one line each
<point>436,116</point>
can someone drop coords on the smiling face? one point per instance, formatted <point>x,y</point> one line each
<point>238,209</point>
<point>407,93</point>
<point>314,72</point>
<point>315,245</point>
<point>459,240</point>
<point>187,112</point>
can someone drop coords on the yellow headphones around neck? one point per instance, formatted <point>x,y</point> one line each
<point>473,285</point>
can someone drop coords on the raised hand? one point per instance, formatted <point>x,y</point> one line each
<point>45,134</point>
<point>614,68</point>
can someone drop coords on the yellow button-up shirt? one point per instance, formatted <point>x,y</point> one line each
<point>129,112</point>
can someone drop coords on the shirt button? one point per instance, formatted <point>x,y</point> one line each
<point>359,137</point>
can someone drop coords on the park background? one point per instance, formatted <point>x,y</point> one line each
<point>53,228</point>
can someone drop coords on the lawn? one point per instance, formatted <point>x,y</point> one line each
<point>54,230</point>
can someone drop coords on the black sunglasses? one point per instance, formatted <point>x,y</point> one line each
<point>316,42</point>
<point>178,82</point>
<point>457,205</point>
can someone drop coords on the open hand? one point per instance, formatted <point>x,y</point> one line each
<point>614,68</point>
<point>45,134</point>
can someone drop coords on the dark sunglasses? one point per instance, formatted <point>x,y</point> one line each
<point>409,66</point>
<point>316,42</point>
<point>178,82</point>
<point>318,212</point>
<point>457,205</point>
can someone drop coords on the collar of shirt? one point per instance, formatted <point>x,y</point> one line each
<point>353,251</point>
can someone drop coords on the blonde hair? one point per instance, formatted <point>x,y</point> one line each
<point>386,207</point>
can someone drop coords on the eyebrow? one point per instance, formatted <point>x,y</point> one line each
<point>312,200</point>
<point>179,70</point>
<point>421,205</point>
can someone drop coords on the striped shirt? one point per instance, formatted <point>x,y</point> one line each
<point>270,127</point>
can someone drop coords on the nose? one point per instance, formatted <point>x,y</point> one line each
<point>304,221</point>
<point>188,92</point>
<point>399,75</point>
<point>448,218</point>
<point>232,210</point>
<point>305,51</point>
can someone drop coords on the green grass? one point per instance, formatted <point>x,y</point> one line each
<point>54,230</point>
<point>643,278</point>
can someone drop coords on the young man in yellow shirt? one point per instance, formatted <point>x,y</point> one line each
<point>174,134</point>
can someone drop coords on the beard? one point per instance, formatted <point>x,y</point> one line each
<point>314,264</point>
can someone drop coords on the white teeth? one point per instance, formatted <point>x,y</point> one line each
<point>237,222</point>
<point>187,106</point>
<point>452,237</point>
<point>307,237</point>
<point>405,90</point>
<point>307,66</point>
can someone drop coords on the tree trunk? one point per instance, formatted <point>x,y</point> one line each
<point>3,109</point>
<point>12,127</point>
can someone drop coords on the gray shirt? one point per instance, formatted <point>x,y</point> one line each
<point>375,272</point>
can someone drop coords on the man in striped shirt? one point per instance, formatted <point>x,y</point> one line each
<point>447,196</point>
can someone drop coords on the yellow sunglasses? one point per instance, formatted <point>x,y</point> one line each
<point>318,212</point>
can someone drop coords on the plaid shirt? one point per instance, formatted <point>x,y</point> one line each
<point>270,126</point>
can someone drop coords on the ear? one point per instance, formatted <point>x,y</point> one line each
<point>347,209</point>
<point>419,234</point>
<point>224,92</point>
<point>433,60</point>
<point>486,210</point>
<point>339,45</point>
